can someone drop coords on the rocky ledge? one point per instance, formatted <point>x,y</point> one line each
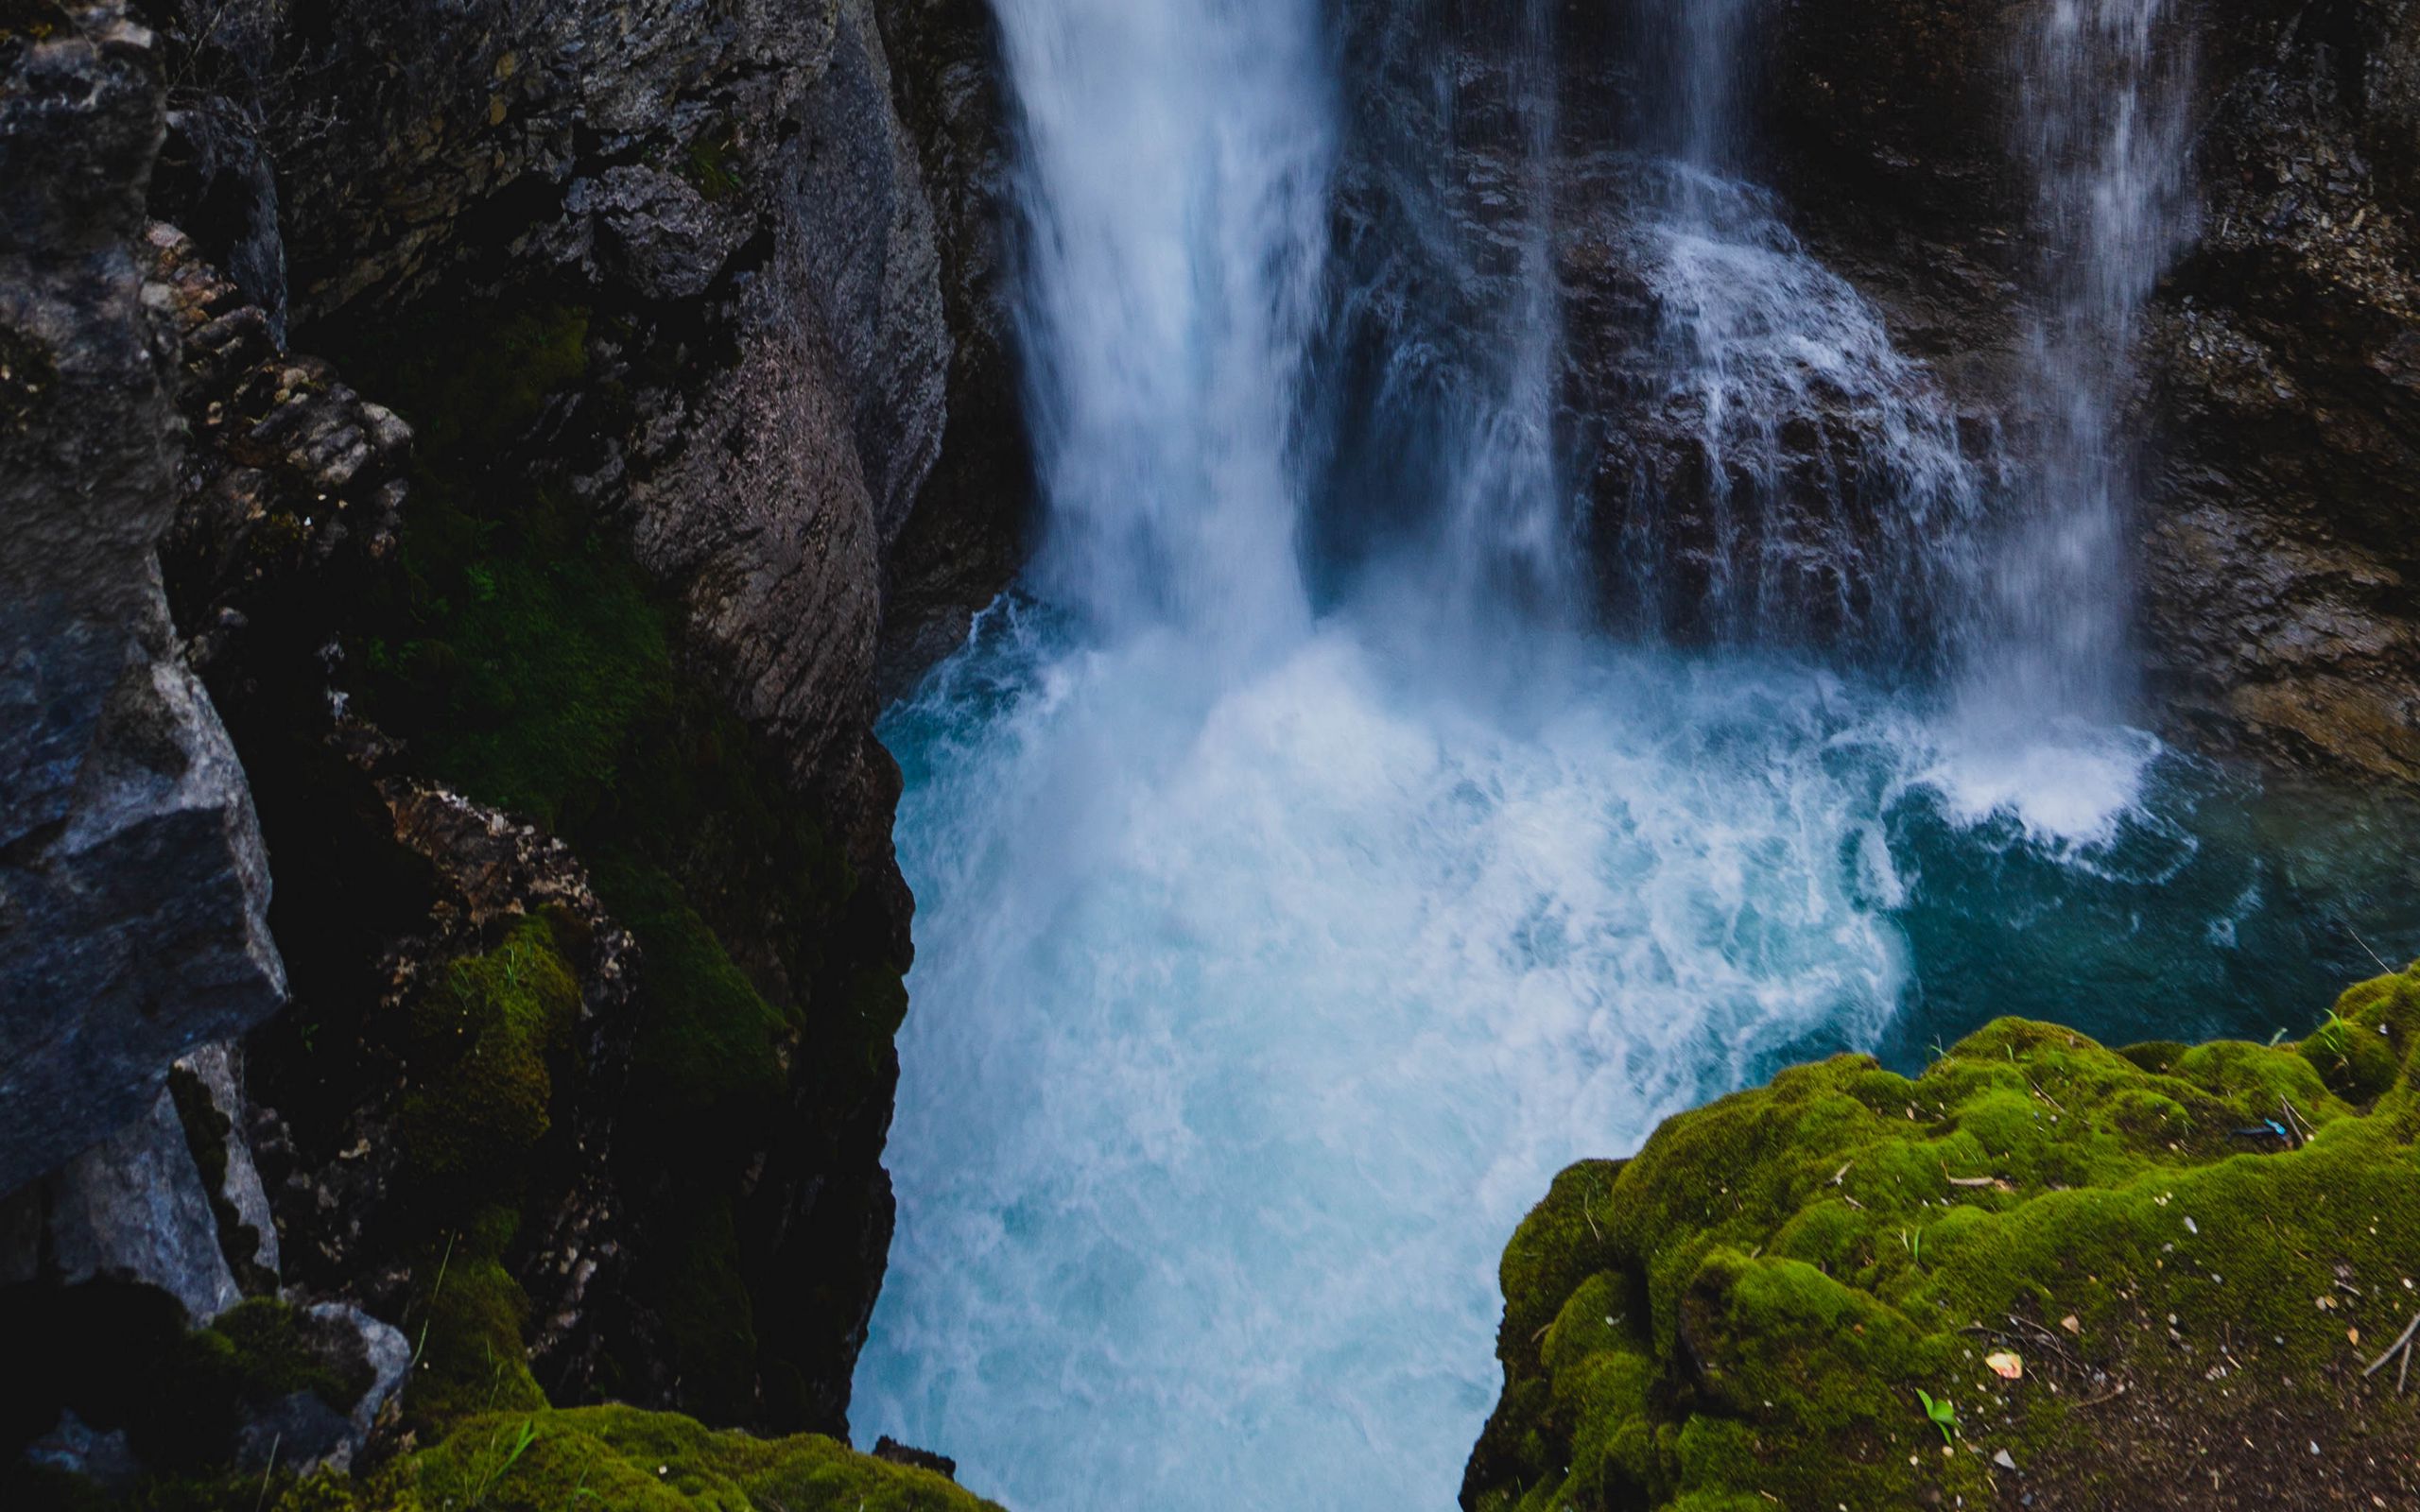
<point>464,465</point>
<point>2044,1274</point>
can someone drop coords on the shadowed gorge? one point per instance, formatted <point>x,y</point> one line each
<point>1605,755</point>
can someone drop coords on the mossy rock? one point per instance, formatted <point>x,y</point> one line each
<point>468,1320</point>
<point>1746,1312</point>
<point>618,1457</point>
<point>603,1459</point>
<point>121,1358</point>
<point>526,659</point>
<point>483,1035</point>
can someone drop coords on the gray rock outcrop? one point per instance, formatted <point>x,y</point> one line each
<point>133,887</point>
<point>133,1208</point>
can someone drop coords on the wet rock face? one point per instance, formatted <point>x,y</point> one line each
<point>653,232</point>
<point>1754,460</point>
<point>753,269</point>
<point>2276,377</point>
<point>1737,492</point>
<point>2283,581</point>
<point>425,139</point>
<point>966,536</point>
<point>132,884</point>
<point>755,343</point>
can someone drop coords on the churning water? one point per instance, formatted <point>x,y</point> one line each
<point>1278,943</point>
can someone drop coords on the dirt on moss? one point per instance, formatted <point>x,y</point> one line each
<point>2043,1275</point>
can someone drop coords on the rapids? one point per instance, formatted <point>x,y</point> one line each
<point>1285,923</point>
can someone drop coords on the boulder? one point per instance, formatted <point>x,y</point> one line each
<point>133,1210</point>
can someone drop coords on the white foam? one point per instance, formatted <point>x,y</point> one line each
<point>2067,784</point>
<point>1249,1018</point>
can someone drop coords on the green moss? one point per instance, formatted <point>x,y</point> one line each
<point>709,1318</point>
<point>1745,1311</point>
<point>542,668</point>
<point>711,1055</point>
<point>483,1035</point>
<point>468,1320</point>
<point>630,1461</point>
<point>613,1459</point>
<point>262,1350</point>
<point>121,1358</point>
<point>472,380</point>
<point>529,662</point>
<point>711,165</point>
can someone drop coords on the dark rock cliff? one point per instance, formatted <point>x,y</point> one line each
<point>2275,397</point>
<point>537,616</point>
<point>2271,403</point>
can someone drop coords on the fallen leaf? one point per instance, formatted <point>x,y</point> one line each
<point>2070,1324</point>
<point>2005,1365</point>
<point>2354,1335</point>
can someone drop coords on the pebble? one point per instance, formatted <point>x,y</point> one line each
<point>2004,1460</point>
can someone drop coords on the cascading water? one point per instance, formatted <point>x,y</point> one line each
<point>1830,502</point>
<point>1507,494</point>
<point>1175,181</point>
<point>2102,127</point>
<point>1839,505</point>
<point>1295,900</point>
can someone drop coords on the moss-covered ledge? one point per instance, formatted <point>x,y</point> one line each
<point>2193,1254</point>
<point>586,1459</point>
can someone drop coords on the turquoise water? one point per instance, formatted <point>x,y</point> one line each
<point>1295,899</point>
<point>1254,1004</point>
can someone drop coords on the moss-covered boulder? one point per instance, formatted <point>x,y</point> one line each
<point>2043,1274</point>
<point>619,1457</point>
<point>603,1459</point>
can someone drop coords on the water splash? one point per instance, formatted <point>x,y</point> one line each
<point>1280,1010</point>
<point>1280,934</point>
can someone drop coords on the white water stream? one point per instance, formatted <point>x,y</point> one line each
<point>1274,953</point>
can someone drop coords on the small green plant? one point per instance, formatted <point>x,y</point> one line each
<point>2333,1036</point>
<point>1943,1413</point>
<point>580,1492</point>
<point>496,1470</point>
<point>420,1349</point>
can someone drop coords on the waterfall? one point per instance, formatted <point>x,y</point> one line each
<point>2101,126</point>
<point>1174,182</point>
<point>1447,480</point>
<point>1288,912</point>
<point>1300,882</point>
<point>1508,523</point>
<point>1827,500</point>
